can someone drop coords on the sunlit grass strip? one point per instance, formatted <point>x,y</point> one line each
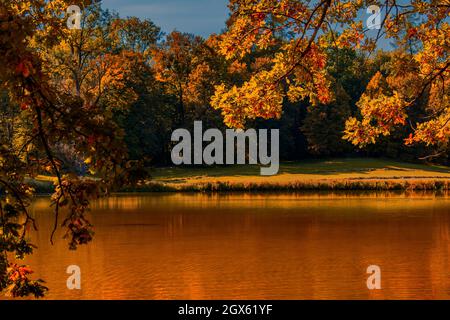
<point>46,187</point>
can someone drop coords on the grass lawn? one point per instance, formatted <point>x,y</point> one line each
<point>331,174</point>
<point>309,170</point>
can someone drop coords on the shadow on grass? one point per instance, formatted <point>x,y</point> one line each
<point>307,167</point>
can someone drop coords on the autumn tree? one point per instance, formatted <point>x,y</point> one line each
<point>189,67</point>
<point>299,70</point>
<point>324,124</point>
<point>148,122</point>
<point>63,89</point>
<point>412,81</point>
<point>136,35</point>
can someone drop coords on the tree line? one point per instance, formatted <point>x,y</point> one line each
<point>152,84</point>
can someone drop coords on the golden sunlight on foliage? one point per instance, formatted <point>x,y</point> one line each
<point>298,67</point>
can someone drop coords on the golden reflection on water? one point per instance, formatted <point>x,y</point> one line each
<point>246,246</point>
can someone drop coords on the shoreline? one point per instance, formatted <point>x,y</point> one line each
<point>301,185</point>
<point>340,174</point>
<point>353,184</point>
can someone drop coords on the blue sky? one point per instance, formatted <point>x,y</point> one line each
<point>200,17</point>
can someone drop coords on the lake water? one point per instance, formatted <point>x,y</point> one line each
<point>242,246</point>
